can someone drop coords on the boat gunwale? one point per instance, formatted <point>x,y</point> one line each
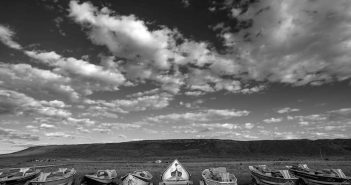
<point>95,177</point>
<point>318,182</point>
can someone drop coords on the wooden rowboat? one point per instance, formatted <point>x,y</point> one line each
<point>63,176</point>
<point>18,177</point>
<point>101,177</point>
<point>218,176</point>
<point>175,174</point>
<point>319,177</point>
<point>137,178</point>
<point>264,176</point>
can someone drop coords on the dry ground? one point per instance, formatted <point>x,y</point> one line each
<point>240,169</point>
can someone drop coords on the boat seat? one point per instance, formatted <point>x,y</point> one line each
<point>63,170</point>
<point>57,174</point>
<point>112,173</point>
<point>60,172</point>
<point>304,166</point>
<point>219,170</point>
<point>339,173</point>
<point>285,174</point>
<point>24,171</point>
<point>42,177</point>
<point>102,174</point>
<point>17,174</point>
<point>224,177</point>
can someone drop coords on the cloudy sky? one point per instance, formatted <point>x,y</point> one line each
<point>86,72</point>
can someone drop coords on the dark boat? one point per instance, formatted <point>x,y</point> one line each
<point>63,176</point>
<point>319,177</point>
<point>264,176</point>
<point>100,177</point>
<point>17,177</point>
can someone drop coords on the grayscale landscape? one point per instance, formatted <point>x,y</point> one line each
<point>260,87</point>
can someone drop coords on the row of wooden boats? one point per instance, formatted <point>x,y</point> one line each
<point>299,174</point>
<point>33,176</point>
<point>177,174</point>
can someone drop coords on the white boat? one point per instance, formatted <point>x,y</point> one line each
<point>137,178</point>
<point>63,176</point>
<point>101,177</point>
<point>218,176</point>
<point>175,174</point>
<point>19,176</point>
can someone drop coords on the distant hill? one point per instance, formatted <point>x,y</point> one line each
<point>195,149</point>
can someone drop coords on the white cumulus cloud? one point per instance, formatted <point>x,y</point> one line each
<point>6,35</point>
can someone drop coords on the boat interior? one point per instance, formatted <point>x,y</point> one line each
<point>273,172</point>
<point>106,174</point>
<point>61,173</point>
<point>219,174</point>
<point>143,174</point>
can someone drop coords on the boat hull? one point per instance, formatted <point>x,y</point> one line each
<point>180,182</point>
<point>211,182</point>
<point>318,179</point>
<point>19,181</point>
<point>62,181</point>
<point>93,180</point>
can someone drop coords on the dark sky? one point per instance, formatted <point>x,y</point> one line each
<point>113,71</point>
